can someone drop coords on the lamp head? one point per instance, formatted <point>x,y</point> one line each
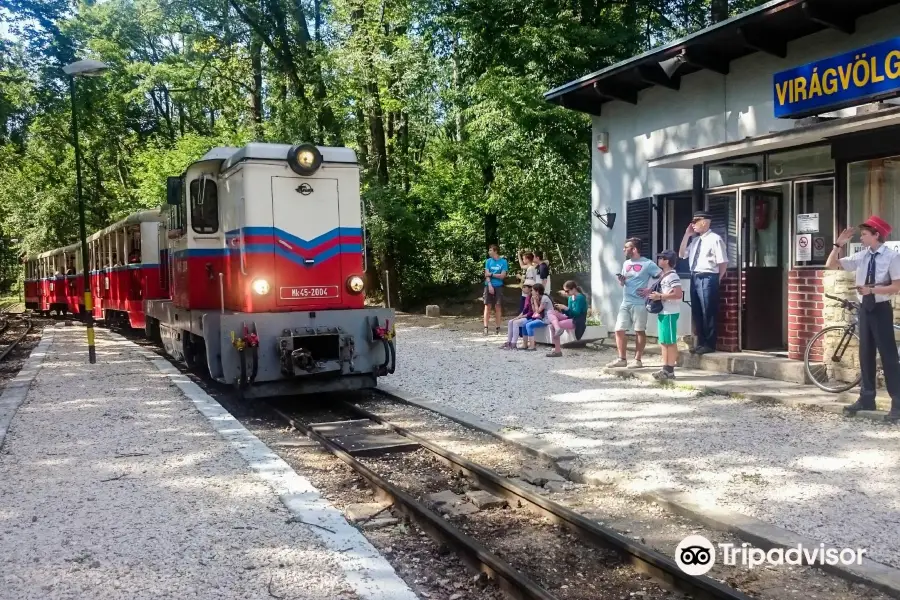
<point>85,68</point>
<point>671,65</point>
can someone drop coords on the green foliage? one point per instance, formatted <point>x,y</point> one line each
<point>441,100</point>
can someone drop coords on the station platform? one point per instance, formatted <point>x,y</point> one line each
<point>124,479</point>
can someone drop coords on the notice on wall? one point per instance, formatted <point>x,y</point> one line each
<point>803,248</point>
<point>856,247</point>
<point>819,247</point>
<point>808,223</point>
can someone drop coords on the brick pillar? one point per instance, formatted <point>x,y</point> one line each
<point>805,310</point>
<point>727,338</point>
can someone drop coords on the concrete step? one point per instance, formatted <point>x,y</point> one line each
<point>746,363</point>
<point>761,390</point>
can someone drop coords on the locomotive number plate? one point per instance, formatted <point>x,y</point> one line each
<point>313,292</point>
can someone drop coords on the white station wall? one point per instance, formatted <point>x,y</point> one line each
<point>709,109</point>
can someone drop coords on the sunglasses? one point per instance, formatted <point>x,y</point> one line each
<point>635,268</point>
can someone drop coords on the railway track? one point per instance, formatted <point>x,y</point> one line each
<point>13,321</point>
<point>385,454</point>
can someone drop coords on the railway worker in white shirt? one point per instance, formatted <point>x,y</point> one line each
<point>708,260</point>
<point>877,269</point>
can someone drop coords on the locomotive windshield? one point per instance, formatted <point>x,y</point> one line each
<point>204,205</point>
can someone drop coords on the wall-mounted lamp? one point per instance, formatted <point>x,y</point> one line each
<point>670,65</point>
<point>608,219</point>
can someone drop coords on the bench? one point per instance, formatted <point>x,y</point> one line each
<point>591,334</point>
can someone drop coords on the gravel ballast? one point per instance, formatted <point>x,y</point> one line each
<point>112,485</point>
<point>817,474</point>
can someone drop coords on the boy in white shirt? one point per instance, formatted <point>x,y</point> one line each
<point>671,295</point>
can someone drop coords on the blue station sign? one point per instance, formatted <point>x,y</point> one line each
<point>850,79</point>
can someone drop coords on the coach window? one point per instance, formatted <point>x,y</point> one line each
<point>134,245</point>
<point>204,205</point>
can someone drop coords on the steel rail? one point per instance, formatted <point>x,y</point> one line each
<point>18,340</point>
<point>478,557</point>
<point>643,558</point>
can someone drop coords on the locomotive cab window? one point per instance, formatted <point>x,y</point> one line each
<point>176,206</point>
<point>204,205</point>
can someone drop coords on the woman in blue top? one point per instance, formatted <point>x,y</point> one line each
<point>575,313</point>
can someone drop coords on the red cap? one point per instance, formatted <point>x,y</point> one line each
<point>879,225</point>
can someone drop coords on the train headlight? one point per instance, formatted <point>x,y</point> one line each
<point>260,286</point>
<point>356,284</point>
<point>304,159</point>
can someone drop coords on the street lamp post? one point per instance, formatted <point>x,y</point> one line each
<point>83,68</point>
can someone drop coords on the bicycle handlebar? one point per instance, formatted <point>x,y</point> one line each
<point>844,303</point>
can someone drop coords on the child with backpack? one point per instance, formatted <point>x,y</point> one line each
<point>668,291</point>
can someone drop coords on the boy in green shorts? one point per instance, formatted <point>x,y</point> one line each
<point>671,295</point>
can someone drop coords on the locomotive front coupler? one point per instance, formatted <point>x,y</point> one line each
<point>306,350</point>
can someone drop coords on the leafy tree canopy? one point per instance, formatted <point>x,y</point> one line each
<point>441,99</point>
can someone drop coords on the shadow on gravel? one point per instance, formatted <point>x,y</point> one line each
<point>820,475</point>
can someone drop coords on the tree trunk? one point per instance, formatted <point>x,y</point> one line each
<point>460,118</point>
<point>361,139</point>
<point>404,149</point>
<point>318,21</point>
<point>490,218</point>
<point>256,102</point>
<point>718,10</point>
<point>376,131</point>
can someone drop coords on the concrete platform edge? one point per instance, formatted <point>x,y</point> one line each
<point>724,389</point>
<point>367,572</point>
<point>528,443</point>
<point>16,390</point>
<point>754,531</point>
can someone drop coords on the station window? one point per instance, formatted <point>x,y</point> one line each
<point>814,216</point>
<point>674,212</point>
<point>746,169</point>
<point>204,205</point>
<point>874,189</point>
<point>803,161</point>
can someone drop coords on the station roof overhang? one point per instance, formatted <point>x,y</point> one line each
<point>798,136</point>
<point>767,28</point>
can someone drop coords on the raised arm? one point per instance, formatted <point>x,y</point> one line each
<point>833,263</point>
<point>685,241</point>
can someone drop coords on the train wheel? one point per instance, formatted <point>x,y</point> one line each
<point>151,330</point>
<point>194,352</point>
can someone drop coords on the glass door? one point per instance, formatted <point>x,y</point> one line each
<point>814,218</point>
<point>763,262</point>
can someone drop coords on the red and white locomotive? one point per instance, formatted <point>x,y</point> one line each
<point>255,268</point>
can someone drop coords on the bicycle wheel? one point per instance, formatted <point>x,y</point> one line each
<point>832,359</point>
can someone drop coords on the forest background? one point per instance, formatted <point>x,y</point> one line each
<point>441,99</point>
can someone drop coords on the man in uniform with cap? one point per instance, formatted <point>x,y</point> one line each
<point>708,259</point>
<point>877,269</point>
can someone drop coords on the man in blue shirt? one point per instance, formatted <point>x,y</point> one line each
<point>635,277</point>
<point>495,270</point>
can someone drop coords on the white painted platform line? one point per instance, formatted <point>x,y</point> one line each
<point>16,390</point>
<point>366,571</point>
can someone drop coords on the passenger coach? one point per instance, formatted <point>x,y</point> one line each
<point>124,271</point>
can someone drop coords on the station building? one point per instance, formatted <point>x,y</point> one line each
<point>783,123</point>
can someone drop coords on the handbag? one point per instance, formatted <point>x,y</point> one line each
<point>655,306</point>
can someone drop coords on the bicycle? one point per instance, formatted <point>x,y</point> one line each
<point>833,366</point>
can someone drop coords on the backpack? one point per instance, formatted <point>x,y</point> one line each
<point>655,306</point>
